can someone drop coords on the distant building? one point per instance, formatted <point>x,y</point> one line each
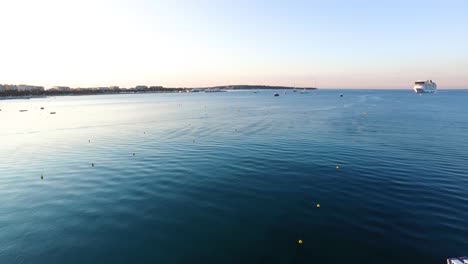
<point>104,89</point>
<point>61,88</point>
<point>21,87</point>
<point>10,87</point>
<point>24,87</point>
<point>141,87</point>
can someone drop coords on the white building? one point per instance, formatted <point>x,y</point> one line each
<point>24,87</point>
<point>10,87</point>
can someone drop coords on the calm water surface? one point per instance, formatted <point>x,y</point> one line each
<point>235,178</point>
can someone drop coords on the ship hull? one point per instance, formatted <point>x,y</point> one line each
<point>419,90</point>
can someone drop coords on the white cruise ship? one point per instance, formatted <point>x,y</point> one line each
<point>425,86</point>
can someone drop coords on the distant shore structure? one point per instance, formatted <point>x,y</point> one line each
<point>424,86</point>
<point>20,88</point>
<point>8,91</point>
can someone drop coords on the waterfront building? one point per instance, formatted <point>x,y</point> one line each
<point>25,87</point>
<point>61,88</point>
<point>141,87</point>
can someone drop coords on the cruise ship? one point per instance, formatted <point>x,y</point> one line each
<point>425,86</point>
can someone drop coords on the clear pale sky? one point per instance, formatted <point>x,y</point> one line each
<point>329,44</point>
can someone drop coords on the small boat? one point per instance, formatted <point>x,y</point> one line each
<point>276,94</point>
<point>52,113</point>
<point>341,95</point>
<point>23,110</point>
<point>42,108</point>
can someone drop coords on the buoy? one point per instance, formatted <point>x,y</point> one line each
<point>318,205</point>
<point>337,167</point>
<point>92,164</point>
<point>300,241</point>
<point>42,177</point>
<point>133,154</point>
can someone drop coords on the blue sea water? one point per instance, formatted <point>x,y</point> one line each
<point>235,177</point>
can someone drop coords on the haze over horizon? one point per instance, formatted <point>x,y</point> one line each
<point>328,44</point>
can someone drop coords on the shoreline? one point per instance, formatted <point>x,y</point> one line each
<point>45,94</point>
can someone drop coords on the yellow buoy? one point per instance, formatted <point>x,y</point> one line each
<point>337,167</point>
<point>300,241</point>
<point>318,205</point>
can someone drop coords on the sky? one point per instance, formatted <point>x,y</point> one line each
<point>175,43</point>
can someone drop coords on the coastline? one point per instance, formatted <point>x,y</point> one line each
<point>26,95</point>
<point>22,97</point>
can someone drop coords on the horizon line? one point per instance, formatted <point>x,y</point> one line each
<point>226,85</point>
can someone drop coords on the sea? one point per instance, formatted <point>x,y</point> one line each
<point>374,176</point>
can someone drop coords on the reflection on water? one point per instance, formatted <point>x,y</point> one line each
<point>235,177</point>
